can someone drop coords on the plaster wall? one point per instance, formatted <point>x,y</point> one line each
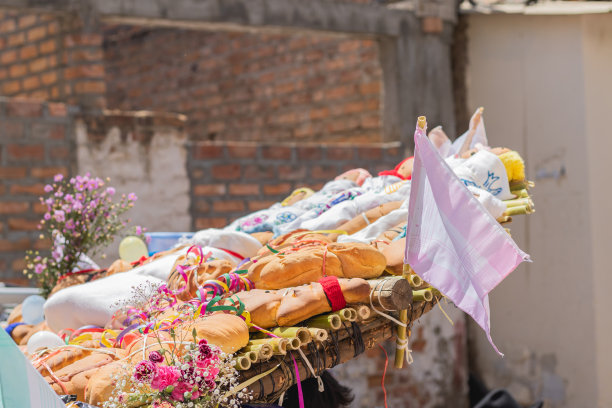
<point>544,82</point>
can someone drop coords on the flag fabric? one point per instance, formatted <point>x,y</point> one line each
<point>21,386</point>
<point>452,242</point>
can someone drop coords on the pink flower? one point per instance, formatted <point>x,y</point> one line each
<point>138,230</point>
<point>47,216</point>
<point>156,357</point>
<point>132,197</point>
<point>58,178</point>
<point>145,371</point>
<point>59,216</point>
<point>165,376</point>
<point>110,191</point>
<point>48,188</point>
<point>70,225</point>
<point>178,393</point>
<point>39,268</point>
<point>77,206</point>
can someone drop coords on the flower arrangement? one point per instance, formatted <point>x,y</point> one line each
<point>81,218</point>
<point>193,374</point>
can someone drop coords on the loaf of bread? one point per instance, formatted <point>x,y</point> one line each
<point>359,221</point>
<point>68,356</point>
<point>394,253</point>
<point>74,377</point>
<point>293,238</point>
<point>197,276</point>
<point>309,264</point>
<point>286,307</point>
<point>101,384</point>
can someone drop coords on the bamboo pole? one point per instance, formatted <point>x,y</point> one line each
<point>294,343</point>
<point>279,345</point>
<point>423,295</point>
<point>364,312</point>
<point>318,335</point>
<point>327,322</point>
<point>265,351</point>
<point>347,314</point>
<point>242,363</point>
<point>300,332</point>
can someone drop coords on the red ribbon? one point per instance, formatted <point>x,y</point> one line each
<point>232,253</point>
<point>333,292</point>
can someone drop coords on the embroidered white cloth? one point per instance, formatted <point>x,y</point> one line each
<point>452,241</point>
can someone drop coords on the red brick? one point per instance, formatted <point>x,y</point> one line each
<point>309,153</point>
<point>13,207</point>
<point>258,172</point>
<point>209,189</point>
<point>17,281</point>
<point>26,152</point>
<point>37,33</point>
<point>7,26</point>
<point>90,87</point>
<point>14,245</point>
<point>201,206</point>
<point>16,39</point>
<point>41,244</point>
<point>48,172</point>
<point>292,173</point>
<point>370,153</point>
<point>3,73</point>
<point>8,57</point>
<point>242,151</point>
<point>370,88</point>
<point>276,189</point>
<point>38,65</point>
<point>36,189</point>
<point>56,109</point>
<point>10,88</point>
<point>27,20</point>
<point>49,78</point>
<point>22,224</point>
<point>24,108</point>
<point>91,39</point>
<point>350,45</point>
<point>206,151</point>
<point>12,172</point>
<point>47,46</point>
<point>18,70</point>
<point>18,264</point>
<point>340,153</point>
<point>260,205</point>
<point>323,172</point>
<point>340,92</point>
<point>319,113</point>
<point>244,189</point>
<point>59,152</point>
<point>39,208</point>
<point>226,171</point>
<point>213,222</point>
<point>228,206</point>
<point>84,71</point>
<point>370,121</point>
<point>432,25</point>
<point>276,152</point>
<point>29,51</point>
<point>31,83</point>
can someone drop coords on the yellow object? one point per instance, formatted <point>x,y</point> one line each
<point>303,193</point>
<point>132,249</point>
<point>515,167</point>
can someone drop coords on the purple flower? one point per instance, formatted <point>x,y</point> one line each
<point>39,268</point>
<point>47,216</point>
<point>156,357</point>
<point>132,197</point>
<point>138,230</point>
<point>58,178</point>
<point>145,371</point>
<point>70,225</point>
<point>77,206</point>
<point>48,188</point>
<point>110,191</point>
<point>59,216</point>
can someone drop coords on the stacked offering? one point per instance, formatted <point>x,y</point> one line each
<point>241,314</point>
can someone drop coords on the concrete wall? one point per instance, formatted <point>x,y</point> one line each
<point>545,85</point>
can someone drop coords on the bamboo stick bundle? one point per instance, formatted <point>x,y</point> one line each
<point>242,363</point>
<point>363,312</point>
<point>253,356</point>
<point>423,295</point>
<point>300,332</point>
<point>279,345</point>
<point>294,344</point>
<point>346,314</point>
<point>521,185</point>
<point>265,351</point>
<point>325,321</point>
<point>318,335</point>
<point>519,201</point>
<point>504,219</point>
<point>519,210</point>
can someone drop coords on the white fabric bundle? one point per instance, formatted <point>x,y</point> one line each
<point>486,171</point>
<point>235,241</point>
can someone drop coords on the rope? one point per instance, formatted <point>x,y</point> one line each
<point>365,218</point>
<point>402,344</point>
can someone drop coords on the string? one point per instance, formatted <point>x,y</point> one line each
<point>382,383</point>
<point>402,344</point>
<point>444,312</point>
<point>365,218</point>
<point>393,319</point>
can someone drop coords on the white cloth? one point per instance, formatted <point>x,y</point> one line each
<point>486,171</point>
<point>235,241</point>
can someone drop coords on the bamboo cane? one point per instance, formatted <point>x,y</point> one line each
<point>300,332</point>
<point>364,312</point>
<point>294,344</point>
<point>265,351</point>
<point>279,345</point>
<point>327,322</point>
<point>318,335</point>
<point>242,363</point>
<point>347,314</point>
<point>423,295</point>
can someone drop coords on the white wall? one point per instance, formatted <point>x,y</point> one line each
<point>545,82</point>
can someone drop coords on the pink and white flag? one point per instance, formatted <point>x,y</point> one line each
<point>452,241</point>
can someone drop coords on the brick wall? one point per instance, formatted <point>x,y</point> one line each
<point>246,86</point>
<point>231,179</point>
<point>35,144</point>
<point>50,57</point>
